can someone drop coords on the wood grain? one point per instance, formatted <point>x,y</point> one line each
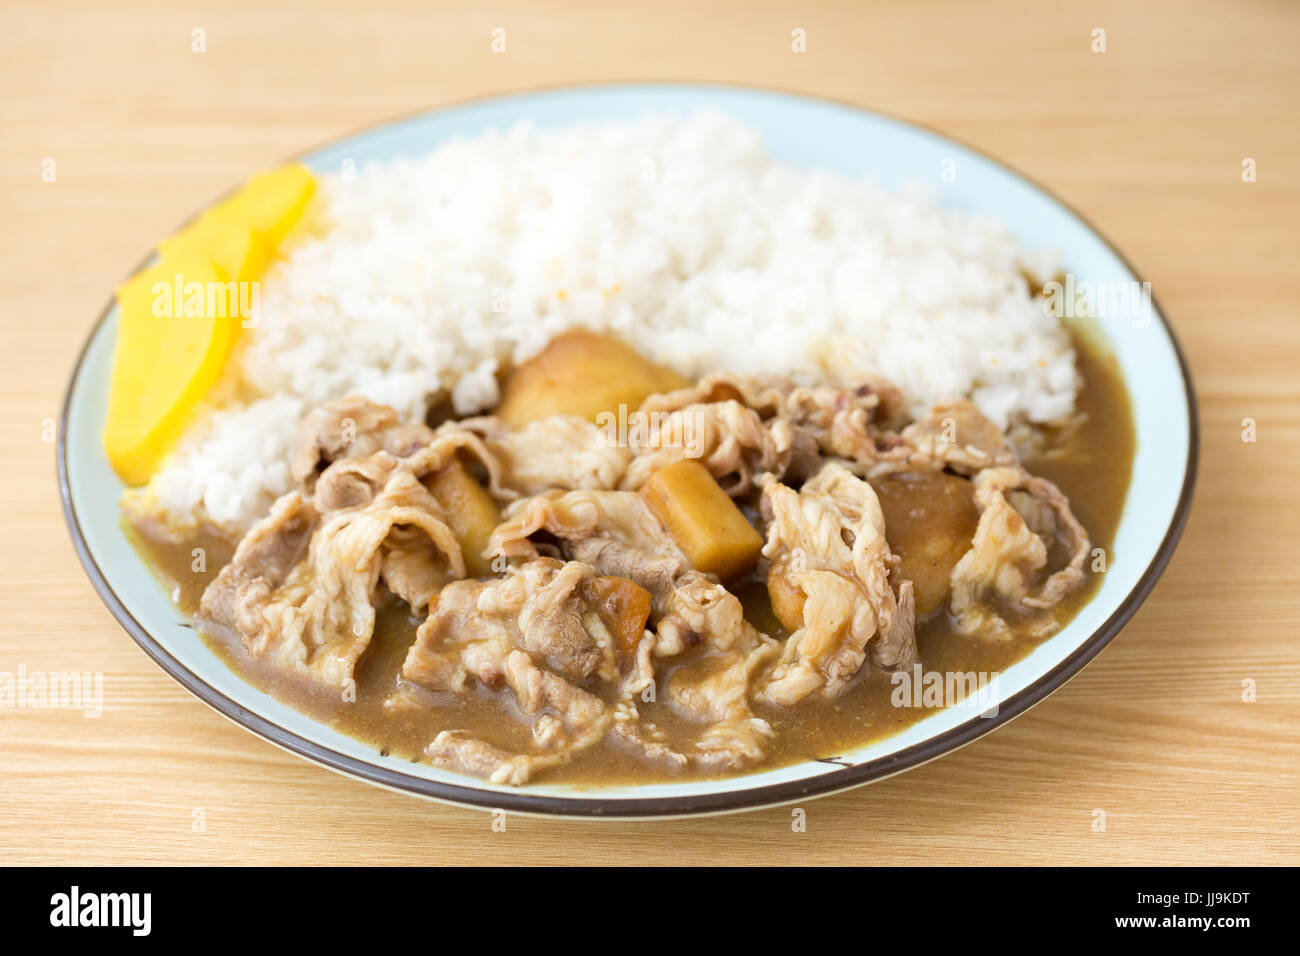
<point>1146,140</point>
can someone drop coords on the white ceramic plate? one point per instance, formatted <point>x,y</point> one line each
<point>801,131</point>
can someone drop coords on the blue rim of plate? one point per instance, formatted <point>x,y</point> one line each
<point>523,801</point>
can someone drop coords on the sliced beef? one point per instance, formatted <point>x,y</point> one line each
<point>728,438</point>
<point>1010,551</point>
<point>354,430</point>
<point>352,427</point>
<point>742,429</point>
<point>539,608</point>
<point>1052,518</point>
<point>537,633</point>
<point>272,548</point>
<point>563,452</point>
<point>956,436</point>
<point>614,531</point>
<point>845,422</point>
<point>301,589</point>
<point>542,634</point>
<point>774,397</point>
<point>764,395</point>
<point>566,721</point>
<point>712,687</point>
<point>458,751</point>
<point>830,580</point>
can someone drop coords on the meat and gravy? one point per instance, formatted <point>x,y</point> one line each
<point>621,573</point>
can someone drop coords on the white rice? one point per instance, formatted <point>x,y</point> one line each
<point>681,235</point>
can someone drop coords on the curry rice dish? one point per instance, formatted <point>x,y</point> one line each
<point>610,558</point>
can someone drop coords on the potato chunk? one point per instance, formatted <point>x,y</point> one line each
<point>706,524</point>
<point>582,373</point>
<point>622,606</point>
<point>930,518</point>
<point>786,599</point>
<point>470,512</point>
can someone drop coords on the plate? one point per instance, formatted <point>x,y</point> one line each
<point>805,132</point>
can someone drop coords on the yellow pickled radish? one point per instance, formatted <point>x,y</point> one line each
<point>176,328</point>
<point>180,318</point>
<point>220,235</point>
<point>272,202</point>
<point>269,204</point>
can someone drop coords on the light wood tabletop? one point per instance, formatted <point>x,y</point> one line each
<point>1146,139</point>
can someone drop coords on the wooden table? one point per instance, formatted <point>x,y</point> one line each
<point>1146,139</point>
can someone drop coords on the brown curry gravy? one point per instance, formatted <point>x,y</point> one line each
<point>1091,465</point>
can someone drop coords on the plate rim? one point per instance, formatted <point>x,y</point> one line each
<point>718,802</point>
